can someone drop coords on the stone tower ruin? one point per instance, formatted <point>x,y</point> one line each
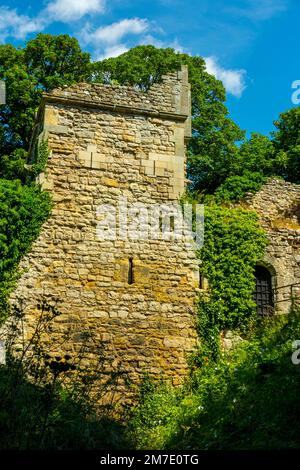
<point>137,296</point>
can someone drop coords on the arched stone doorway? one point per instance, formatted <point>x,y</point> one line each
<point>263,294</point>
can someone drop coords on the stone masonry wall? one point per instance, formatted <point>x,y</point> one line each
<point>278,205</point>
<point>109,142</point>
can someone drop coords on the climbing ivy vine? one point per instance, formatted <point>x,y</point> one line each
<point>41,158</point>
<point>23,209</point>
<point>233,243</point>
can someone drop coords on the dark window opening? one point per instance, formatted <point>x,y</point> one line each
<point>263,294</point>
<point>201,280</point>
<point>130,272</point>
<point>172,223</point>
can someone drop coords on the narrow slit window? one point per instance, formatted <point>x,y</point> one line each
<point>130,272</point>
<point>172,223</point>
<point>201,280</point>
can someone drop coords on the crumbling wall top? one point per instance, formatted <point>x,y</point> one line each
<point>171,96</point>
<point>276,198</point>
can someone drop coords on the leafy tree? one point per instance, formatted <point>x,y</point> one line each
<point>287,135</point>
<point>287,143</point>
<point>235,188</point>
<point>256,155</point>
<point>233,243</point>
<point>213,146</point>
<point>56,61</point>
<point>17,116</point>
<point>141,66</point>
<point>46,62</point>
<point>22,211</point>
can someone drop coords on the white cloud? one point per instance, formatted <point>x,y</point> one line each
<point>119,48</point>
<point>114,32</point>
<point>233,80</point>
<point>17,26</point>
<point>259,10</point>
<point>72,10</point>
<point>151,40</point>
<point>112,51</point>
<point>108,41</point>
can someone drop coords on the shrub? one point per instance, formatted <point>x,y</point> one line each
<point>233,243</point>
<point>23,209</point>
<point>247,400</point>
<point>46,401</point>
<point>235,188</point>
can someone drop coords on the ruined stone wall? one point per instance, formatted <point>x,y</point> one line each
<point>278,205</point>
<point>110,142</point>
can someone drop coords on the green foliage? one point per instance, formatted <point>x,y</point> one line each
<point>213,153</point>
<point>233,243</point>
<point>13,165</point>
<point>248,400</point>
<point>287,135</point>
<point>235,188</point>
<point>23,95</point>
<point>56,61</point>
<point>23,209</point>
<point>40,407</point>
<point>287,143</point>
<point>246,170</point>
<point>41,158</point>
<point>46,62</point>
<point>256,155</point>
<point>212,148</point>
<point>71,423</point>
<point>141,66</point>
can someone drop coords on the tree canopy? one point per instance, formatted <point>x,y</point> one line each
<point>234,392</point>
<point>218,149</point>
<point>213,145</point>
<point>46,62</point>
<point>222,164</point>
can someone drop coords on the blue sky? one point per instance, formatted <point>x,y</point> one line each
<point>250,44</point>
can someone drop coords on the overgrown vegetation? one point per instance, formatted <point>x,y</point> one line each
<point>247,400</point>
<point>47,62</point>
<point>23,209</point>
<point>50,402</point>
<point>235,188</point>
<point>234,242</point>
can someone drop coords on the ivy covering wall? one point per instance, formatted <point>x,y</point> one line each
<point>23,209</point>
<point>233,243</point>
